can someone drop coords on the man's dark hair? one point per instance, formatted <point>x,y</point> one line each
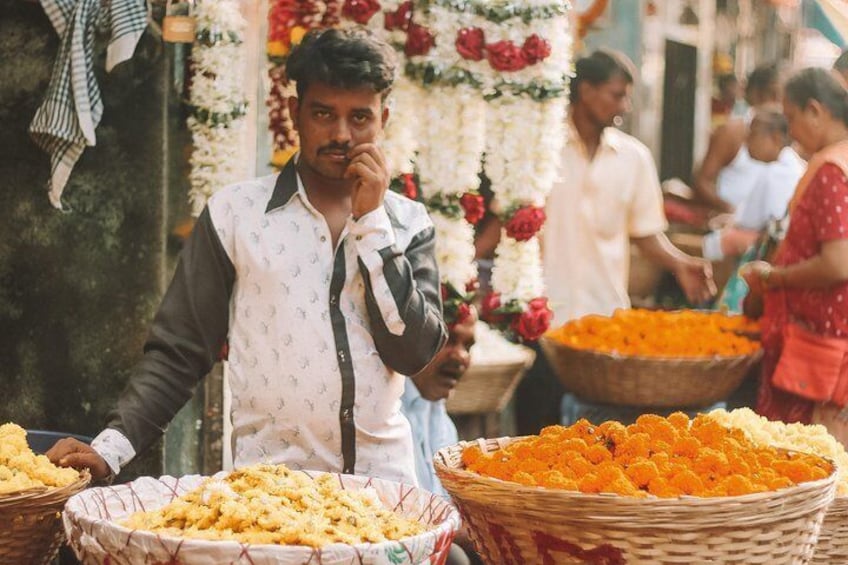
<point>819,84</point>
<point>726,80</point>
<point>773,120</point>
<point>342,58</point>
<point>764,79</point>
<point>599,67</point>
<point>841,63</point>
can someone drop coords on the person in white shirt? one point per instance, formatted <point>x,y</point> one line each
<point>324,286</point>
<point>768,142</point>
<point>728,172</point>
<point>608,197</point>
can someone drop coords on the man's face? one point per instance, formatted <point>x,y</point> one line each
<point>331,121</point>
<point>439,378</point>
<point>606,101</point>
<point>763,144</point>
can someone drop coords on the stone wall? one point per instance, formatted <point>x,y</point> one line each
<point>79,288</point>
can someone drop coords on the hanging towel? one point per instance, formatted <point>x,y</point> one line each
<point>65,122</point>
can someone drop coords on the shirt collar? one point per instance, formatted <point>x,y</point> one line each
<point>287,185</point>
<point>609,138</point>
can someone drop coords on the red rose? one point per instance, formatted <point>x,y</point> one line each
<point>536,49</point>
<point>505,56</point>
<point>534,321</point>
<point>360,11</point>
<point>419,40</point>
<point>474,207</point>
<point>400,18</point>
<point>525,223</point>
<point>463,312</point>
<point>490,303</point>
<point>471,43</point>
<point>410,190</point>
<point>472,286</point>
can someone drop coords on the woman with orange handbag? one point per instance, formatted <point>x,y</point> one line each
<point>803,293</point>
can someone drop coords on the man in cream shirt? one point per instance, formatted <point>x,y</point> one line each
<point>608,198</point>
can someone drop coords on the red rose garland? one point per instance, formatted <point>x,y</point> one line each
<point>419,40</point>
<point>504,55</point>
<point>400,18</point>
<point>471,43</point>
<point>535,49</point>
<point>474,206</point>
<point>525,223</point>
<point>360,11</point>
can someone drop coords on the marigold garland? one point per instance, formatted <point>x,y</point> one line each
<point>646,333</point>
<point>664,457</point>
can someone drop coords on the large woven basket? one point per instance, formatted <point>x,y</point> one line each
<point>513,524</point>
<point>646,381</point>
<point>484,389</point>
<point>92,523</point>
<point>832,547</point>
<point>31,523</point>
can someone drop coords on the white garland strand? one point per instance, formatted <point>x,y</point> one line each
<point>453,138</point>
<point>454,250</point>
<point>402,129</point>
<point>218,124</point>
<point>517,270</point>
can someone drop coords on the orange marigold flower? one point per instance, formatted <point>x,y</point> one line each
<point>688,482</point>
<point>642,473</point>
<point>598,454</point>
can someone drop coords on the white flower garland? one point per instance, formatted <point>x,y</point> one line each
<point>517,270</point>
<point>402,136</point>
<point>454,250</point>
<point>217,98</point>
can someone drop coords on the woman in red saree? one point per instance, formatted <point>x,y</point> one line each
<point>807,282</point>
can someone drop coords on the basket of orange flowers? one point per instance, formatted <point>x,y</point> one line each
<point>653,358</point>
<point>663,490</point>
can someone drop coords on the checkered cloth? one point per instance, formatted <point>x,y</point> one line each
<point>65,122</point>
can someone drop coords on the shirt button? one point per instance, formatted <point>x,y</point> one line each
<point>347,471</point>
<point>341,355</point>
<point>346,414</point>
<point>323,238</point>
<point>359,238</point>
<point>333,300</point>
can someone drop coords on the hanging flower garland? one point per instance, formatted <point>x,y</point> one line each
<point>216,100</point>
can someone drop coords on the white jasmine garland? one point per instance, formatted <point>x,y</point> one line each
<point>217,99</point>
<point>377,24</point>
<point>517,270</point>
<point>454,250</point>
<point>452,139</point>
<point>402,137</point>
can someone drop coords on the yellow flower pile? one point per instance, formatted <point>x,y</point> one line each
<point>664,457</point>
<point>798,437</point>
<point>21,469</point>
<point>270,504</point>
<point>649,333</point>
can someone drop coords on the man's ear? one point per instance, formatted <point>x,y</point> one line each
<point>385,116</point>
<point>294,107</point>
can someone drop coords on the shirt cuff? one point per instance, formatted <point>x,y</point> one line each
<point>712,246</point>
<point>114,448</point>
<point>372,233</point>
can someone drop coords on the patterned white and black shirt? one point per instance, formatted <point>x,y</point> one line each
<point>317,336</point>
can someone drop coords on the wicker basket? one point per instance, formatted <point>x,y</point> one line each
<point>484,389</point>
<point>92,522</point>
<point>832,548</point>
<point>645,381</point>
<point>514,524</point>
<point>31,523</point>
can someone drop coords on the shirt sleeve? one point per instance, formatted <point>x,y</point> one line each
<point>401,292</point>
<point>646,216</point>
<point>829,204</point>
<point>185,340</point>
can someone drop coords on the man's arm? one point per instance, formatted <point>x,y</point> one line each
<point>184,342</point>
<point>725,143</point>
<point>695,275</point>
<point>402,292</point>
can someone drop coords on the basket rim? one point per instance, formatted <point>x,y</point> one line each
<point>452,521</point>
<point>37,494</point>
<point>561,495</point>
<point>618,357</point>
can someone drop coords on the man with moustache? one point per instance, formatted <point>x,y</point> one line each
<point>323,285</point>
<point>608,197</point>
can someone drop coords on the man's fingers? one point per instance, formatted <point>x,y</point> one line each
<point>371,149</point>
<point>368,160</point>
<point>91,461</point>
<point>64,447</point>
